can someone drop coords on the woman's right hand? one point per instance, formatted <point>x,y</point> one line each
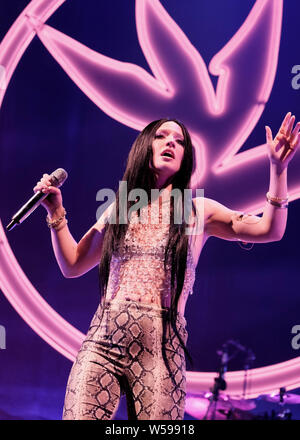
<point>53,202</point>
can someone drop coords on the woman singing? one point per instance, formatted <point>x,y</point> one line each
<point>136,340</point>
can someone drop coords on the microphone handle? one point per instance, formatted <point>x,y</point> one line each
<point>27,209</point>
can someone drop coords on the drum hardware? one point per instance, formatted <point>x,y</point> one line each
<point>219,381</point>
<point>226,408</point>
<point>282,398</point>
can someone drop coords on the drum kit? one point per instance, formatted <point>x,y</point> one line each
<point>217,405</point>
<point>226,408</point>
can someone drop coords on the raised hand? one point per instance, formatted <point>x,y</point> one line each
<point>282,148</point>
<point>53,202</point>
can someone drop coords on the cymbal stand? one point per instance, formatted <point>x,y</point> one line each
<point>284,414</point>
<point>250,357</point>
<point>219,382</point>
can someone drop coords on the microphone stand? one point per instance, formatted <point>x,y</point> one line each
<point>249,359</point>
<point>220,383</point>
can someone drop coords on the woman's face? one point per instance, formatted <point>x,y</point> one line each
<point>168,150</point>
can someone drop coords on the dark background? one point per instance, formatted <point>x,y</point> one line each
<point>46,122</point>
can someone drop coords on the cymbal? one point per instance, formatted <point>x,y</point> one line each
<point>197,406</point>
<point>287,398</point>
<point>242,404</point>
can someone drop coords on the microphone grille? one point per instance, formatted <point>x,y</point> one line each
<point>58,177</point>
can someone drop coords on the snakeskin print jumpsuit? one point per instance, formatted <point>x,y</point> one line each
<point>122,351</point>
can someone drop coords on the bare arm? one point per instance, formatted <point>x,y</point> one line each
<point>75,259</point>
<point>232,225</point>
<point>235,225</point>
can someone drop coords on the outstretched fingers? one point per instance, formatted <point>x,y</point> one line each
<point>295,135</point>
<point>282,132</point>
<point>269,135</point>
<point>285,122</point>
<point>293,142</point>
<point>290,126</point>
<point>286,141</point>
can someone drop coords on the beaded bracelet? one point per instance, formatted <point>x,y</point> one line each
<point>277,199</point>
<point>53,224</point>
<point>61,225</point>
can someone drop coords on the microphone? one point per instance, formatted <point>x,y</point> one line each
<point>57,178</point>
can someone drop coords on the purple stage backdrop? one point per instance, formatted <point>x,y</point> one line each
<point>78,81</point>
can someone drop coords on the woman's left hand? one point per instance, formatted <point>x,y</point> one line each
<point>282,148</point>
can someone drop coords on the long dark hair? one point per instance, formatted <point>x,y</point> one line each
<point>139,174</point>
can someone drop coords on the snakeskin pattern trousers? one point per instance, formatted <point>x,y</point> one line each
<point>122,354</point>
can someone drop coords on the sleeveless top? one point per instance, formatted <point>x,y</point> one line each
<point>137,270</point>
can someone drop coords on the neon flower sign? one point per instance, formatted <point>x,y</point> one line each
<point>246,67</point>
